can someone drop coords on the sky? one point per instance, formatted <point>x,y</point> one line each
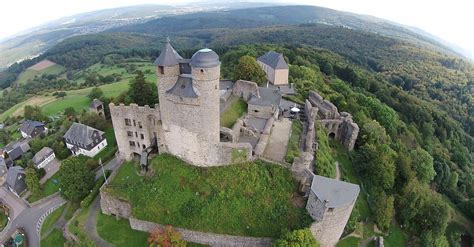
<point>451,20</point>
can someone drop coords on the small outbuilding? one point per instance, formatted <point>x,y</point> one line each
<point>85,140</point>
<point>16,180</point>
<point>97,107</point>
<point>43,157</point>
<point>31,129</point>
<point>275,67</point>
<point>265,103</point>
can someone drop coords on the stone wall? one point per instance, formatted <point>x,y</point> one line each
<point>261,111</point>
<point>137,124</point>
<point>329,230</point>
<point>245,89</point>
<point>111,205</point>
<point>265,135</point>
<point>203,237</point>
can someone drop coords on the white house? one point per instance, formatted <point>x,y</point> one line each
<point>85,140</point>
<point>43,157</point>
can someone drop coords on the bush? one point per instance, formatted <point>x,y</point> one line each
<point>95,191</point>
<point>296,238</point>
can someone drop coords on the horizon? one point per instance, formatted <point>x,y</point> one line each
<point>448,21</point>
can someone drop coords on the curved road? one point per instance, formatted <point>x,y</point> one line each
<point>28,220</point>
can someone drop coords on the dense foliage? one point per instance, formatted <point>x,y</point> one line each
<point>75,179</point>
<point>297,238</point>
<point>249,70</point>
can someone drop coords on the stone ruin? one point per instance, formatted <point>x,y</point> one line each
<point>338,125</point>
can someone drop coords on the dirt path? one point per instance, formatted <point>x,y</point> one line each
<point>338,171</point>
<point>91,225</point>
<point>278,141</point>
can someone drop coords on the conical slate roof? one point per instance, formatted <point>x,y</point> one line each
<point>168,56</point>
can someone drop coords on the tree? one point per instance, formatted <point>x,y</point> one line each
<point>93,120</point>
<point>32,181</point>
<point>141,92</point>
<point>297,238</point>
<point>248,69</point>
<point>75,179</point>
<point>384,211</point>
<point>96,93</point>
<point>376,164</point>
<point>33,113</point>
<point>70,112</point>
<point>422,163</point>
<point>167,237</point>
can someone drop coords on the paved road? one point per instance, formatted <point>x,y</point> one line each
<point>50,169</point>
<point>28,220</point>
<point>17,205</point>
<point>113,165</point>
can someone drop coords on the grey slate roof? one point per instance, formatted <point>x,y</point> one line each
<point>96,103</point>
<point>205,58</point>
<point>226,84</point>
<point>3,167</point>
<point>268,97</point>
<point>183,87</point>
<point>41,155</point>
<point>168,56</point>
<point>17,149</point>
<point>81,134</point>
<point>16,179</point>
<point>29,126</point>
<point>274,60</point>
<point>335,193</point>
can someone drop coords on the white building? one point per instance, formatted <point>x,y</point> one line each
<point>43,157</point>
<point>85,140</point>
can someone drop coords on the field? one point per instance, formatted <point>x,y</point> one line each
<point>235,110</point>
<point>29,74</point>
<point>78,98</point>
<point>252,199</point>
<point>54,239</point>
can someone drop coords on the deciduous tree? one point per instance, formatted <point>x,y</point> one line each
<point>248,69</point>
<point>75,179</point>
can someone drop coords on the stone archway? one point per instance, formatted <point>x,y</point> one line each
<point>332,135</point>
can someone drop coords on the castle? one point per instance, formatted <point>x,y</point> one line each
<point>186,123</point>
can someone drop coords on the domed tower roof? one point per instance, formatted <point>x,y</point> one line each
<point>168,56</point>
<point>205,58</point>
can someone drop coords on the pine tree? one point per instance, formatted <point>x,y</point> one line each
<point>141,92</point>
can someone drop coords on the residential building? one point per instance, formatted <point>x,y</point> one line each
<point>43,157</point>
<point>31,129</point>
<point>275,67</point>
<point>15,150</point>
<point>85,140</point>
<point>16,180</point>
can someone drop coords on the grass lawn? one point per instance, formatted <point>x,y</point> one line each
<point>251,199</point>
<point>235,110</point>
<point>78,98</point>
<point>119,233</point>
<point>293,150</point>
<point>349,242</point>
<point>3,220</point>
<point>51,219</point>
<point>54,239</point>
<point>50,187</point>
<point>395,237</point>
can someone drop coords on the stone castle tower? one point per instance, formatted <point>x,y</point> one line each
<point>189,104</point>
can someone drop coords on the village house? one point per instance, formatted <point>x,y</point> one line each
<point>15,150</point>
<point>31,129</point>
<point>16,180</point>
<point>85,140</point>
<point>43,157</point>
<point>275,67</point>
